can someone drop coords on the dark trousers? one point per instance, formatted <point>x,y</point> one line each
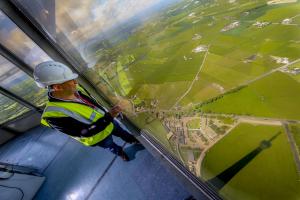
<point>108,142</point>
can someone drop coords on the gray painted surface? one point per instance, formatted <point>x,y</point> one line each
<point>5,136</point>
<point>20,186</point>
<point>74,171</point>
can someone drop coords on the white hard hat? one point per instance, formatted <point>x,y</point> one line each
<point>51,72</point>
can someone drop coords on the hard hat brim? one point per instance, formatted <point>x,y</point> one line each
<point>72,77</point>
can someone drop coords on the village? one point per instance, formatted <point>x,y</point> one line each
<point>196,134</point>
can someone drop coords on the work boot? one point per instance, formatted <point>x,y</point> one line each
<point>124,156</point>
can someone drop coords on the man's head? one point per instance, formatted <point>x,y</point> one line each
<point>66,88</point>
<point>54,75</point>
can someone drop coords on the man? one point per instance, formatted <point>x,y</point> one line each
<point>73,111</point>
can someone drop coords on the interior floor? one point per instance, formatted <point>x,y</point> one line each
<point>74,171</point>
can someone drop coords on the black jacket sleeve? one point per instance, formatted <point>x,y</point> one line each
<point>76,128</point>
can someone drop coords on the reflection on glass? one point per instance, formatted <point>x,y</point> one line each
<point>10,109</point>
<point>19,83</point>
<point>20,44</point>
<point>216,82</point>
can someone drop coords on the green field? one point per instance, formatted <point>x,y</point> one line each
<point>161,91</point>
<point>276,95</point>
<point>270,175</point>
<point>296,77</point>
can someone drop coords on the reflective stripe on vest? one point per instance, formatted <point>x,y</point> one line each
<point>71,114</point>
<point>80,112</point>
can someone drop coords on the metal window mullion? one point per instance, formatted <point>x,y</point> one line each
<point>15,60</point>
<point>19,99</point>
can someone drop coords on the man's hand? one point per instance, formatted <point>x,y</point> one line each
<point>126,106</point>
<point>114,111</point>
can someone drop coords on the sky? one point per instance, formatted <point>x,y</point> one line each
<point>92,17</point>
<point>21,45</point>
<point>101,14</point>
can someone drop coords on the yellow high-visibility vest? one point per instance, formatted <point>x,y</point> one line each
<point>79,112</point>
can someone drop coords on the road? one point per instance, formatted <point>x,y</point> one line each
<point>194,80</point>
<point>252,118</point>
<point>267,73</point>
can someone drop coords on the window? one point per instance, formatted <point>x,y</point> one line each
<point>20,44</point>
<point>19,83</point>
<point>216,82</point>
<point>10,109</point>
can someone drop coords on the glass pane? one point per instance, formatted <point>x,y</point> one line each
<point>10,109</point>
<point>216,82</point>
<point>19,83</point>
<point>20,44</point>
